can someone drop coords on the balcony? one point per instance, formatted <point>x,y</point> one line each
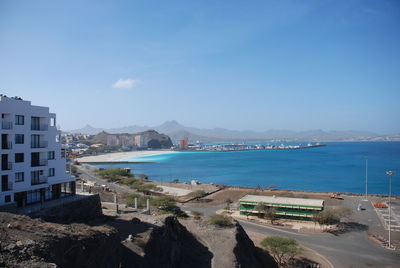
<point>6,145</point>
<point>40,144</point>
<point>39,163</point>
<point>39,180</point>
<point>6,166</point>
<point>6,125</point>
<point>41,127</point>
<point>7,187</point>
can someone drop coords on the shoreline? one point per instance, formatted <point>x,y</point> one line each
<point>121,157</point>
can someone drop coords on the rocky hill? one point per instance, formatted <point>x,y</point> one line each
<point>130,242</point>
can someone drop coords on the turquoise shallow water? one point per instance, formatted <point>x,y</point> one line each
<point>338,167</point>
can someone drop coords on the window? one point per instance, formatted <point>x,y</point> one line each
<point>19,176</point>
<point>52,121</point>
<point>62,153</point>
<point>19,138</point>
<point>52,172</point>
<point>50,155</point>
<point>7,198</point>
<point>35,123</point>
<point>35,141</point>
<point>19,119</point>
<point>19,157</point>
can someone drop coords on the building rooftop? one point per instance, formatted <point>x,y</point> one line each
<point>283,200</point>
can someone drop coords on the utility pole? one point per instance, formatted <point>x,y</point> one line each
<point>390,173</point>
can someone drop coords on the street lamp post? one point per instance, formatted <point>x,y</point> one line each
<point>390,173</point>
<point>366,179</point>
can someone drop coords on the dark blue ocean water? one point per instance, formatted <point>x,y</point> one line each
<point>338,167</point>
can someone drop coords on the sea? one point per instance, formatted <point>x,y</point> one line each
<point>336,167</point>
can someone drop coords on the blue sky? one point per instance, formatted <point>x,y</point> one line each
<point>259,65</point>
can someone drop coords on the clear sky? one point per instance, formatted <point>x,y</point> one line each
<point>257,65</point>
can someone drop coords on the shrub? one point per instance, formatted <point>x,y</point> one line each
<point>282,249</point>
<point>141,199</point>
<point>220,220</point>
<point>114,173</point>
<point>196,214</point>
<point>166,203</point>
<point>199,194</point>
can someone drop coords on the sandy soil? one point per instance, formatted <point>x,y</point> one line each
<point>174,191</point>
<point>122,156</point>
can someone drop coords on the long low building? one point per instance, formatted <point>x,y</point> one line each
<point>285,207</point>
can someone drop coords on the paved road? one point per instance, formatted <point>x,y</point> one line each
<point>88,176</point>
<point>352,249</point>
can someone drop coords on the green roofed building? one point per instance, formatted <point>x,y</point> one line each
<point>285,207</point>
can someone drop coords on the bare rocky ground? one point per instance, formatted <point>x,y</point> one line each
<point>165,241</point>
<point>26,242</point>
<point>126,240</point>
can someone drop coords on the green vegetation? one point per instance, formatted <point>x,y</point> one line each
<point>141,200</point>
<point>221,220</point>
<point>228,202</point>
<point>167,204</point>
<point>270,214</point>
<point>114,173</point>
<point>140,185</point>
<point>282,249</point>
<point>164,204</point>
<point>199,194</point>
<point>331,216</point>
<point>265,212</point>
<point>197,214</point>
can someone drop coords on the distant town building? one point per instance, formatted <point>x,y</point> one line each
<point>141,141</point>
<point>126,140</point>
<point>184,143</point>
<point>33,164</point>
<point>112,140</point>
<point>285,207</point>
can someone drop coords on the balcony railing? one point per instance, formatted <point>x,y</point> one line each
<point>40,144</point>
<point>6,166</point>
<point>41,127</point>
<point>39,163</point>
<point>6,145</point>
<point>39,180</point>
<point>7,187</point>
<point>6,125</point>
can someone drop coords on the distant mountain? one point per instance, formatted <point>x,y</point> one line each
<point>177,131</point>
<point>88,129</point>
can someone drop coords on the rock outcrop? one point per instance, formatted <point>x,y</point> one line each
<point>152,241</point>
<point>172,245</point>
<point>27,242</point>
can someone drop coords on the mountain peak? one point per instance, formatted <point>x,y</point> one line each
<point>172,123</point>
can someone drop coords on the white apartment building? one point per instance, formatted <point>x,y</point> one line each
<point>33,164</point>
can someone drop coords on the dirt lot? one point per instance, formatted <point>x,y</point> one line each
<point>235,193</point>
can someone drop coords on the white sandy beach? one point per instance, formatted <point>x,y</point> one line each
<point>116,157</point>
